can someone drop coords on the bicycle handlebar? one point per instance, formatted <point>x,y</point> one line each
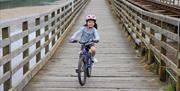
<point>76,41</point>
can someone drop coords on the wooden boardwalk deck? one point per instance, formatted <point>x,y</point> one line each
<point>118,69</point>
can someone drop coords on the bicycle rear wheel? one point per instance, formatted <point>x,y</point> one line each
<point>82,71</point>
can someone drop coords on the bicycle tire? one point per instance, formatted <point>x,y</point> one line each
<point>82,71</point>
<point>89,69</point>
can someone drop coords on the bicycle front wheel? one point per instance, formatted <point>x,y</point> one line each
<point>82,71</point>
<point>89,68</point>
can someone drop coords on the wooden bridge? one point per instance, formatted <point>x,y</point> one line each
<point>135,53</point>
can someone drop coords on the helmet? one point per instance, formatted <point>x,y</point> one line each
<point>90,17</point>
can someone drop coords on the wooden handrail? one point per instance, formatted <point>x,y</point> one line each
<point>37,37</point>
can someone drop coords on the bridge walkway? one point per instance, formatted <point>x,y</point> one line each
<point>119,67</point>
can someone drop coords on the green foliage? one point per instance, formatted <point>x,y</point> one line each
<point>152,67</point>
<point>170,87</point>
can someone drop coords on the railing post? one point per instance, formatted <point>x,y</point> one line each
<point>72,1</point>
<point>150,53</point>
<point>112,6</point>
<point>162,63</point>
<point>150,56</point>
<point>7,66</point>
<point>142,44</point>
<point>25,41</point>
<point>178,63</point>
<point>178,83</point>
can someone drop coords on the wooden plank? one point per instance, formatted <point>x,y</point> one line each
<point>166,60</point>
<point>178,84</point>
<point>96,84</point>
<point>4,42</point>
<point>5,77</point>
<point>162,44</point>
<point>4,60</point>
<point>160,17</point>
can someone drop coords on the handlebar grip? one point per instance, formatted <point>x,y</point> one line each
<point>73,41</point>
<point>95,41</point>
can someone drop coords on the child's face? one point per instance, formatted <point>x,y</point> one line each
<point>90,23</point>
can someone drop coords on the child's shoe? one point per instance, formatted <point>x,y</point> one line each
<point>94,60</point>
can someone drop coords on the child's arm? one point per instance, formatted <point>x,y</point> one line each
<point>96,35</point>
<point>77,34</point>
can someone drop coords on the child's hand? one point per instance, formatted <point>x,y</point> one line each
<point>73,41</point>
<point>95,41</point>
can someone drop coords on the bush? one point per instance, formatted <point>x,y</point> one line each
<point>171,87</point>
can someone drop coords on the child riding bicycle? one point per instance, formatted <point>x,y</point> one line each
<point>87,33</point>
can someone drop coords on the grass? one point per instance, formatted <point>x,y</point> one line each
<point>170,87</point>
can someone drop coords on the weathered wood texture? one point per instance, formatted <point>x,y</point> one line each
<point>37,37</point>
<point>171,2</point>
<point>158,33</point>
<point>118,68</point>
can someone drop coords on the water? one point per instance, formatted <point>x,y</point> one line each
<point>5,4</point>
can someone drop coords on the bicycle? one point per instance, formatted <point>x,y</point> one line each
<point>85,61</point>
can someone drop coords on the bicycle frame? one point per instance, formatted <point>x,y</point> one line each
<point>87,55</point>
<point>85,61</point>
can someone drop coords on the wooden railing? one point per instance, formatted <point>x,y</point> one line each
<point>158,34</point>
<point>171,2</point>
<point>27,43</point>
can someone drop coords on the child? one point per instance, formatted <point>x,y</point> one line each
<point>88,32</point>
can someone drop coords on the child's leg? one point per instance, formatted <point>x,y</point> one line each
<point>93,50</point>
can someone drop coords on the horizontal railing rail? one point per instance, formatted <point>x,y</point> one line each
<point>159,34</point>
<point>171,2</point>
<point>27,42</point>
